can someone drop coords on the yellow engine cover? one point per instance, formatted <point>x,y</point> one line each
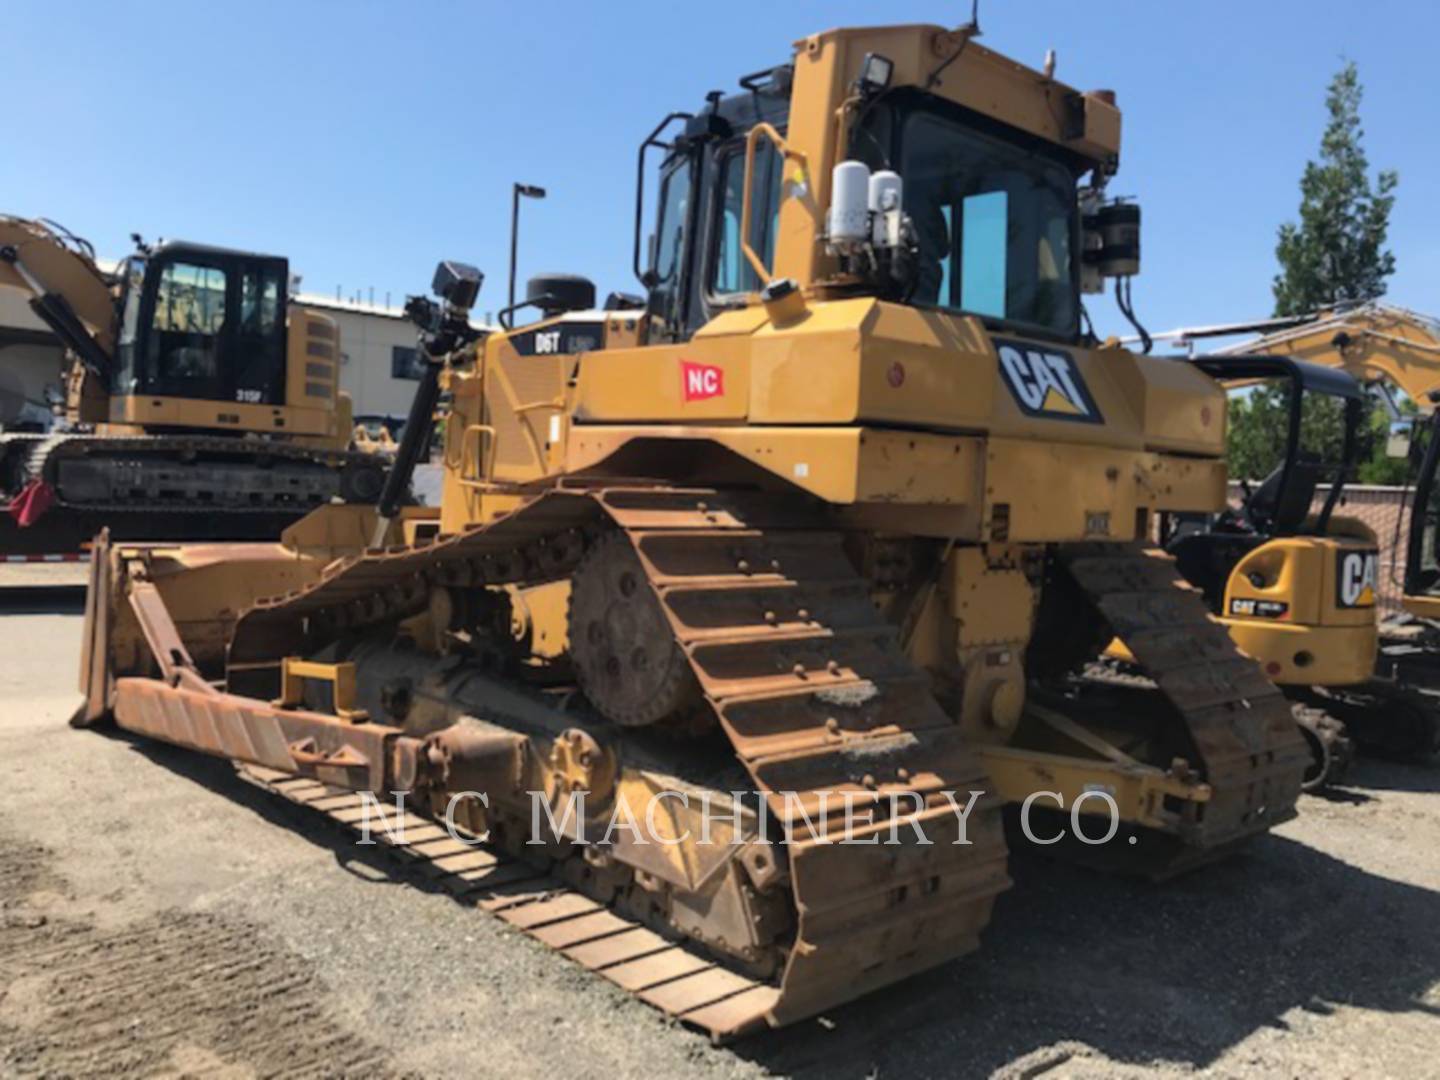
<point>1306,608</point>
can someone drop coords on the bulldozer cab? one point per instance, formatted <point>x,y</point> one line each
<point>988,217</point>
<point>204,324</point>
<point>694,266</point>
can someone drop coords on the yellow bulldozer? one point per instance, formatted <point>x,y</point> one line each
<point>786,565</point>
<point>200,403</point>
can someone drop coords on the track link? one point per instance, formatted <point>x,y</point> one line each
<point>1331,750</point>
<point>825,710</point>
<point>679,980</point>
<point>1239,726</point>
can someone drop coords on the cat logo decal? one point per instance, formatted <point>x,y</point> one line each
<point>1046,383</point>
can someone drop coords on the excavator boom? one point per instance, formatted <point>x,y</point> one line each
<point>67,290</point>
<point>1375,342</point>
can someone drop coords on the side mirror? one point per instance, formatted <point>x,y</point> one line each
<point>1401,436</point>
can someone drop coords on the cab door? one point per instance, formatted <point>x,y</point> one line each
<point>254,345</point>
<point>213,327</point>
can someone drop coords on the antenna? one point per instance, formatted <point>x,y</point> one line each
<point>965,33</point>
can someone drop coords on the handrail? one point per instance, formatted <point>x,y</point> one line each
<point>477,430</point>
<point>746,208</point>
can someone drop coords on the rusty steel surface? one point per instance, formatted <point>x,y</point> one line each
<point>360,757</point>
<point>823,707</point>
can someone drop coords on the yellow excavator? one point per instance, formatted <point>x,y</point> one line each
<point>199,401</point>
<point>1298,584</point>
<point>786,565</point>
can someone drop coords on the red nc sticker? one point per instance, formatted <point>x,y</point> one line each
<point>701,381</point>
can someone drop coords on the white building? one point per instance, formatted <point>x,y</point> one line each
<point>31,364</point>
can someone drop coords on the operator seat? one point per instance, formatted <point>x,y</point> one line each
<point>1206,556</point>
<point>1273,515</point>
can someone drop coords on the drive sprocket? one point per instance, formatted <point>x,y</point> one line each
<point>626,658</point>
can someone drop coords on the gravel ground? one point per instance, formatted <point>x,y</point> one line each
<point>158,916</point>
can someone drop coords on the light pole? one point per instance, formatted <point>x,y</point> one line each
<point>530,191</point>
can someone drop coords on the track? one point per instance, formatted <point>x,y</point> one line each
<point>678,980</point>
<point>177,488</point>
<point>1240,729</point>
<point>817,699</point>
<point>1331,750</point>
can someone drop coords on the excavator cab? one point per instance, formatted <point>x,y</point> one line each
<point>202,323</point>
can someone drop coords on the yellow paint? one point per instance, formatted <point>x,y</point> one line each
<point>1315,642</point>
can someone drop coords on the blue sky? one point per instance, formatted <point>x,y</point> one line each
<point>366,140</point>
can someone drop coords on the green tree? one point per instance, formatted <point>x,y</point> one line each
<point>1260,430</point>
<point>1378,467</point>
<point>1337,250</point>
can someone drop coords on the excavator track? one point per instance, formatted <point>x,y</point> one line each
<point>808,682</point>
<point>1240,729</point>
<point>1386,718</point>
<point>232,481</point>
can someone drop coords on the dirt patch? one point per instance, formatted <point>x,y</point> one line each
<point>171,994</point>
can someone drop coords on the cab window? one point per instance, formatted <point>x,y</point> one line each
<point>670,229</point>
<point>188,315</point>
<point>994,221</point>
<point>664,279</point>
<point>731,271</point>
<point>132,275</point>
